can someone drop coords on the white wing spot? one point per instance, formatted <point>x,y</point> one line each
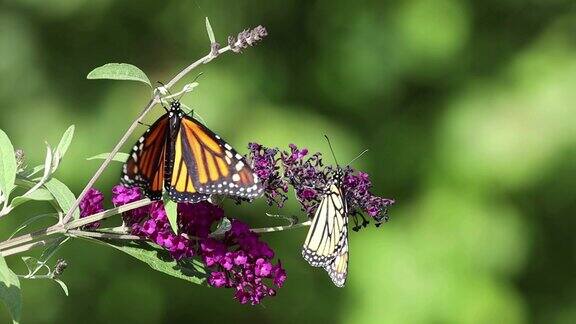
<point>236,177</point>
<point>239,166</point>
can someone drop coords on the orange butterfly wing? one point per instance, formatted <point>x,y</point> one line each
<point>205,164</point>
<point>145,167</point>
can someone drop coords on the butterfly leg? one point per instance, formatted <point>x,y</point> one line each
<point>356,227</point>
<point>143,124</point>
<point>364,221</point>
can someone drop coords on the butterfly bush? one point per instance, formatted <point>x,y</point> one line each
<point>237,258</point>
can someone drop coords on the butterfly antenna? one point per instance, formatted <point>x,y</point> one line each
<point>199,117</point>
<point>192,113</point>
<point>332,150</point>
<point>357,157</point>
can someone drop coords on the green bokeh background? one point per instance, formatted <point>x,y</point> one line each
<point>467,107</point>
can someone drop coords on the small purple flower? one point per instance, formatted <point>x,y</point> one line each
<point>217,279</point>
<point>227,262</point>
<point>279,275</point>
<point>263,268</point>
<point>197,219</point>
<point>308,194</point>
<point>149,227</point>
<point>92,203</point>
<point>240,258</point>
<point>122,195</point>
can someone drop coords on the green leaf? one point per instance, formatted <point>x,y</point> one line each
<point>30,263</point>
<point>119,71</point>
<point>160,260</point>
<point>7,165</point>
<point>63,285</point>
<point>47,163</point>
<point>210,32</point>
<point>224,226</point>
<point>39,194</point>
<point>63,196</point>
<point>33,171</point>
<point>172,213</point>
<point>52,248</point>
<point>10,292</point>
<point>32,220</point>
<point>65,141</point>
<point>119,157</point>
<point>292,220</point>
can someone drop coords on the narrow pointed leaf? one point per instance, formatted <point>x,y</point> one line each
<point>10,292</point>
<point>223,227</point>
<point>39,194</point>
<point>119,157</point>
<point>63,196</point>
<point>48,162</point>
<point>210,32</point>
<point>160,260</point>
<point>172,213</point>
<point>7,165</point>
<point>63,286</point>
<point>65,141</point>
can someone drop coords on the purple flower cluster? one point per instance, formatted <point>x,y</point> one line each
<point>265,164</point>
<point>237,259</point>
<point>306,174</point>
<point>359,198</point>
<point>92,203</point>
<point>152,222</point>
<point>310,178</point>
<point>243,262</point>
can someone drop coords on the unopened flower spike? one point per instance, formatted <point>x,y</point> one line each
<point>246,38</point>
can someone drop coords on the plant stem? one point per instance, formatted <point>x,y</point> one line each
<point>42,237</point>
<point>280,228</point>
<point>104,235</point>
<point>26,247</point>
<point>25,240</point>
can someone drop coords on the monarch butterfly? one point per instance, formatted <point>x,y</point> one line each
<point>188,160</point>
<point>326,244</point>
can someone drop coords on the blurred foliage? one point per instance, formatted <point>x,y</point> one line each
<point>467,108</point>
